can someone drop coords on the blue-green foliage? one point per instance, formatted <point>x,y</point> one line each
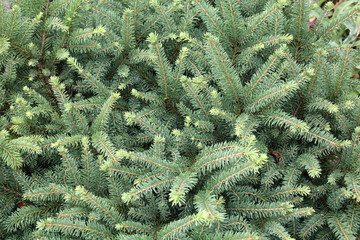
<point>193,119</point>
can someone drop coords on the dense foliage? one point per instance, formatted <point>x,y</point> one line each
<point>177,119</point>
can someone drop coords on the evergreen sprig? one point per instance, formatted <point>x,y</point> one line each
<point>193,119</point>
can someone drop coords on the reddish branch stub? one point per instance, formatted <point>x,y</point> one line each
<point>312,22</point>
<point>276,156</point>
<point>21,204</point>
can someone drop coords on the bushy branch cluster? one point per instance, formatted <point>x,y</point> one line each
<point>193,119</point>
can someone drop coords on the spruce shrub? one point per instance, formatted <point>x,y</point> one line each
<point>192,119</point>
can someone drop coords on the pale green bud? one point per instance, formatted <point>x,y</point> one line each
<point>282,3</point>
<point>135,92</point>
<point>105,166</point>
<point>262,158</point>
<point>259,46</point>
<point>62,150</point>
<point>329,6</point>
<point>20,101</point>
<point>68,107</point>
<point>124,71</point>
<point>153,37</point>
<point>310,72</point>
<point>349,104</point>
<point>116,96</point>
<point>122,153</point>
<point>119,226</point>
<point>216,112</point>
<point>187,121</point>
<point>122,86</point>
<point>41,225</point>
<point>67,197</point>
<point>31,46</point>
<point>61,86</point>
<point>85,141</point>
<point>4,45</point>
<point>184,36</point>
<point>39,16</point>
<point>4,133</point>
<point>214,94</point>
<point>129,117</point>
<point>176,132</point>
<point>154,3</point>
<point>347,193</point>
<point>333,108</point>
<point>80,190</point>
<point>126,197</point>
<point>203,215</point>
<point>346,143</point>
<point>100,29</point>
<point>54,80</point>
<point>280,51</point>
<point>29,114</point>
<point>159,139</point>
<point>32,62</point>
<point>357,130</point>
<point>183,79</point>
<point>71,60</point>
<point>289,38</point>
<point>62,54</point>
<point>172,36</point>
